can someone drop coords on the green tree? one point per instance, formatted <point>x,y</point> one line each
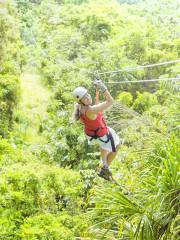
<point>144,101</point>
<point>126,98</point>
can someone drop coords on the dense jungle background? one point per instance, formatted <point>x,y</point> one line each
<point>49,188</point>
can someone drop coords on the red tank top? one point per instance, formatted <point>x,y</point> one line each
<point>95,127</point>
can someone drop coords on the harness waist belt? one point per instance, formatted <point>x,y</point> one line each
<point>109,138</point>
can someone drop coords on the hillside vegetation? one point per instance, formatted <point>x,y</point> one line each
<point>49,188</point>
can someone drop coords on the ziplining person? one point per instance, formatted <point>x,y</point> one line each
<point>95,127</point>
<point>91,116</point>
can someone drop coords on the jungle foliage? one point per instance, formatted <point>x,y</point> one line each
<point>10,62</point>
<point>52,191</point>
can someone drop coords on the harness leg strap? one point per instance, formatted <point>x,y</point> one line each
<point>112,142</point>
<point>109,137</point>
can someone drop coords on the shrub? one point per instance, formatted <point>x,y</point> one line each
<point>162,95</point>
<point>33,189</point>
<point>10,45</point>
<point>144,101</point>
<point>9,96</point>
<point>126,98</point>
<point>45,226</point>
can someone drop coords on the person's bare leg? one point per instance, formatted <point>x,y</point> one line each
<point>104,154</point>
<point>104,171</point>
<point>112,155</point>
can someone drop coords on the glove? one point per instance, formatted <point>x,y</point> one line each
<point>100,85</point>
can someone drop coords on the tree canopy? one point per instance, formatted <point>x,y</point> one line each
<point>49,188</point>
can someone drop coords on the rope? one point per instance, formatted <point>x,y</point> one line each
<point>139,67</point>
<point>148,80</point>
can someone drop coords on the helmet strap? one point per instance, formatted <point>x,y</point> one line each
<point>82,103</point>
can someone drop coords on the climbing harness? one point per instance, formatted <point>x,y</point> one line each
<point>96,129</point>
<point>109,138</point>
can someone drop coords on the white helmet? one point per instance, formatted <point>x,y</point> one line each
<point>79,92</point>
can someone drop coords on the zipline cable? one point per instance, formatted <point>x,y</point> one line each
<point>146,80</point>
<point>126,69</point>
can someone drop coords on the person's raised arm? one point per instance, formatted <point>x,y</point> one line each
<point>97,96</point>
<point>108,99</point>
